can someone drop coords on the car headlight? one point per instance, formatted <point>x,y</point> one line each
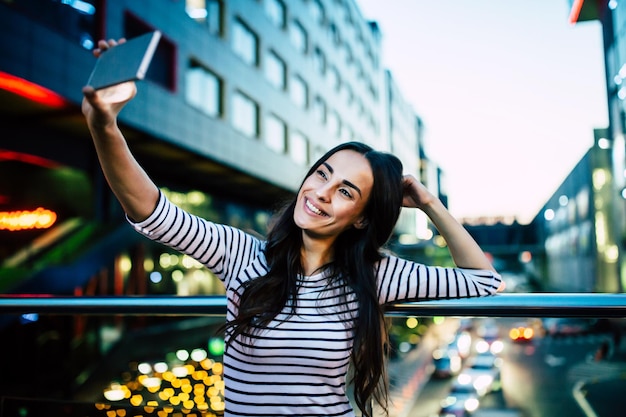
<point>471,404</point>
<point>497,347</point>
<point>482,382</point>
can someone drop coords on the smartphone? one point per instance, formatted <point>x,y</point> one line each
<point>128,61</point>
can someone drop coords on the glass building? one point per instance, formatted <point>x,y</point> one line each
<point>612,15</point>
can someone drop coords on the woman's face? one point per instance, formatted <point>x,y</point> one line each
<point>333,198</point>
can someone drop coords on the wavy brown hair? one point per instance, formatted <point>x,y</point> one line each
<point>356,252</point>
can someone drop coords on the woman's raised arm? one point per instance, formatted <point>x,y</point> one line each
<point>463,248</point>
<point>131,185</point>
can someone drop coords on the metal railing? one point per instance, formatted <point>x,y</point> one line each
<point>523,305</point>
<point>585,305</point>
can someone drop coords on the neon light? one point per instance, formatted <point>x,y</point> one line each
<point>30,90</point>
<point>575,12</point>
<point>26,220</point>
<point>27,159</point>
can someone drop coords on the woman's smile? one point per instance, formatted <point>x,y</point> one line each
<point>311,207</point>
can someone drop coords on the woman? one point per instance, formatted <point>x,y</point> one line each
<point>309,299</point>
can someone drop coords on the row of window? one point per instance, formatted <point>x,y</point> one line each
<point>204,88</point>
<point>245,43</point>
<point>204,91</point>
<point>276,73</point>
<point>276,11</point>
<point>211,14</point>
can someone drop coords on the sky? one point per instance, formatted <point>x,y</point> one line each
<point>509,92</point>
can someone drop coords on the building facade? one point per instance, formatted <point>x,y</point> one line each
<point>240,98</point>
<point>612,15</point>
<point>575,225</point>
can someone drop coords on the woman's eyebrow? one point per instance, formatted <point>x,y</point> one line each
<point>346,182</point>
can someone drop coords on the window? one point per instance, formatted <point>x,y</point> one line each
<point>372,58</point>
<point>196,9</point>
<point>319,60</point>
<point>349,55</point>
<point>245,115</point>
<point>360,107</point>
<point>317,11</point>
<point>319,110</point>
<point>245,43</point>
<point>359,70</point>
<point>207,12</point>
<point>317,152</point>
<point>298,91</point>
<point>372,90</point>
<point>298,36</point>
<point>276,12</point>
<point>334,34</point>
<point>275,133</point>
<point>333,78</point>
<point>215,18</point>
<point>299,148</point>
<point>276,70</point>
<point>346,133</point>
<point>334,125</point>
<point>203,90</point>
<point>348,16</point>
<point>349,94</point>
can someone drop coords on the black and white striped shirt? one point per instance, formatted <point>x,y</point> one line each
<point>297,366</point>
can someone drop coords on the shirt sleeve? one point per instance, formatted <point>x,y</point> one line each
<point>224,250</point>
<point>402,280</point>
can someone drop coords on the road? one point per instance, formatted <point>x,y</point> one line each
<point>538,378</point>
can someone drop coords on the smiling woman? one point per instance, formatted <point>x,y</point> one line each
<point>307,302</point>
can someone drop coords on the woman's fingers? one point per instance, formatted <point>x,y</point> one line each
<point>88,91</point>
<point>104,45</point>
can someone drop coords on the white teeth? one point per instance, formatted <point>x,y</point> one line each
<point>313,208</point>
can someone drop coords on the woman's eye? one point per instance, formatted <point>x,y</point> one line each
<point>321,173</point>
<point>345,192</point>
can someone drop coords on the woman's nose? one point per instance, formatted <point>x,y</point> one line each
<point>322,192</point>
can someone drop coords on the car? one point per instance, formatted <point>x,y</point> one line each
<point>462,342</point>
<point>459,404</point>
<point>447,363</point>
<point>481,375</point>
<point>489,364</point>
<point>477,383</point>
<point>521,333</point>
<point>485,361</point>
<point>488,337</point>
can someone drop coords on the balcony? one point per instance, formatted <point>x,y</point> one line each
<point>115,346</point>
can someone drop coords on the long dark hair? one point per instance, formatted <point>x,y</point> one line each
<point>356,251</point>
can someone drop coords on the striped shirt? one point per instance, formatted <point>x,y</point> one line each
<point>297,365</point>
